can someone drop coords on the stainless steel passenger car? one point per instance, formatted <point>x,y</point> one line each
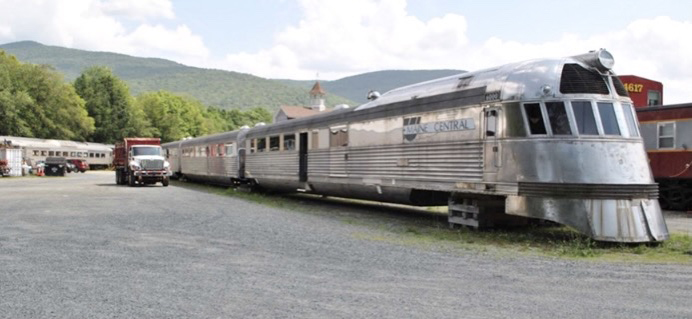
<point>551,139</point>
<point>97,155</point>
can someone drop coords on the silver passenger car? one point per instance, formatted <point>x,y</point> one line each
<point>550,139</point>
<point>97,155</point>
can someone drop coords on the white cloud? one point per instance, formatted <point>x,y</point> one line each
<point>345,37</point>
<point>340,38</point>
<point>97,25</point>
<point>139,9</point>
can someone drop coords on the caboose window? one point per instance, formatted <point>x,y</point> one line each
<point>557,116</point>
<point>629,117</point>
<point>666,135</point>
<point>583,114</point>
<point>654,98</point>
<point>608,119</point>
<point>534,117</point>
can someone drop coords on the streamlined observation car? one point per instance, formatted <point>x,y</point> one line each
<point>551,139</point>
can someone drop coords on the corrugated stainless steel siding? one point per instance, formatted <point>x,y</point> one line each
<point>282,165</point>
<point>222,166</point>
<point>450,161</point>
<point>596,191</point>
<point>194,165</point>
<point>214,166</point>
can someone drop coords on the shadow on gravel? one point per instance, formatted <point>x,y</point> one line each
<point>125,186</point>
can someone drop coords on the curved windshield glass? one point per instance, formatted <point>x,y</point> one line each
<point>146,150</point>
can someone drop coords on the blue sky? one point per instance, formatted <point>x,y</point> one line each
<point>335,38</point>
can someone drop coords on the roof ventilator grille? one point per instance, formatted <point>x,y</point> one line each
<point>576,79</point>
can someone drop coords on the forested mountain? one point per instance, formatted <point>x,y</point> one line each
<point>224,89</point>
<point>356,88</point>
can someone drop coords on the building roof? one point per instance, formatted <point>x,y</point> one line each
<point>294,112</point>
<point>317,89</point>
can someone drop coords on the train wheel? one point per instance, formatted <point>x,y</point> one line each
<point>674,195</point>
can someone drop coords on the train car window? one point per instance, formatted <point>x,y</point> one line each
<point>534,117</point>
<point>274,143</point>
<point>338,137</point>
<point>262,144</point>
<point>666,135</point>
<point>289,142</point>
<point>629,117</point>
<point>608,119</point>
<point>315,140</point>
<point>219,149</point>
<point>64,154</point>
<point>230,149</point>
<point>73,154</point>
<point>557,116</point>
<point>91,154</point>
<point>51,153</point>
<point>36,152</point>
<point>43,153</point>
<point>584,116</point>
<point>490,123</point>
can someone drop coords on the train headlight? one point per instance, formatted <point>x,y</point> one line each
<point>600,59</point>
<point>605,59</point>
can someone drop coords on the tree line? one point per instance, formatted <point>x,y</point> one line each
<point>35,101</point>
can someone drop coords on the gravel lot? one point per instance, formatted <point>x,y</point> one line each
<point>82,247</point>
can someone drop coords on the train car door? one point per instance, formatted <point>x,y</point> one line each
<point>303,157</point>
<point>241,163</point>
<point>493,152</point>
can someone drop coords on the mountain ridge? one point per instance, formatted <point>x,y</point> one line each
<point>214,87</point>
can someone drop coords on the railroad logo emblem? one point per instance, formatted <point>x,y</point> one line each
<point>413,127</point>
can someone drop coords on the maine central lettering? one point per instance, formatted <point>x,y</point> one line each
<point>412,126</point>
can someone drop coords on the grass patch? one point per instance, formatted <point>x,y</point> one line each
<point>428,228</point>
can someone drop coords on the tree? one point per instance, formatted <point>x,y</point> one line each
<point>35,101</point>
<point>175,117</point>
<point>109,102</point>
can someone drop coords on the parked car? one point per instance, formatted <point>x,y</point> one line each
<point>80,165</point>
<point>70,167</point>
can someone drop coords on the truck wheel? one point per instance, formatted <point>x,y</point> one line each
<point>131,179</point>
<point>165,182</point>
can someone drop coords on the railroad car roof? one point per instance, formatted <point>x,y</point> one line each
<point>528,80</point>
<point>49,143</point>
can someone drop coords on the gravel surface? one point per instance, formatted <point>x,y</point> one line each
<point>82,247</point>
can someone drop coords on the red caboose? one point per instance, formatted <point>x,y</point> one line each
<point>667,134</point>
<point>642,91</point>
